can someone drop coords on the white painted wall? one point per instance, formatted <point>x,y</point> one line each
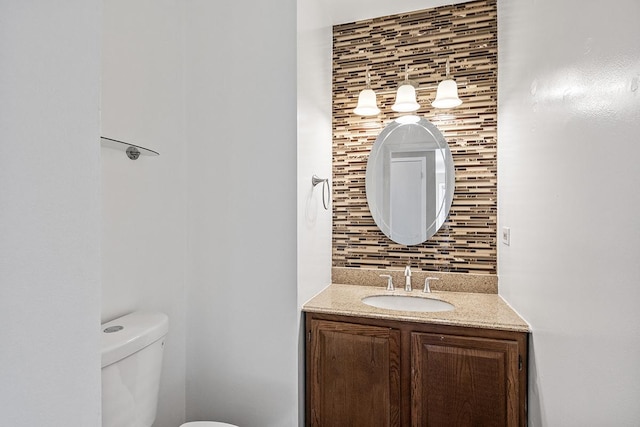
<point>569,119</point>
<point>242,341</point>
<point>144,201</point>
<point>314,158</point>
<point>49,214</point>
<point>314,147</point>
<point>343,11</point>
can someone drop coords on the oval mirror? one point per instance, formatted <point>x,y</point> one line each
<point>410,181</point>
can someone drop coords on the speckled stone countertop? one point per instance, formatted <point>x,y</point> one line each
<point>479,310</point>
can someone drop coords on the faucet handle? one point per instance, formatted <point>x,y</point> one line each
<point>389,281</point>
<point>427,288</point>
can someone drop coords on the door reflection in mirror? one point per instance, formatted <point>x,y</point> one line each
<point>408,198</point>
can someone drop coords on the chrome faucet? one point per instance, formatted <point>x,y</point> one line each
<point>389,282</point>
<point>407,279</point>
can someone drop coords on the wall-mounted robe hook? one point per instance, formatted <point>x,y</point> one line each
<point>326,194</point>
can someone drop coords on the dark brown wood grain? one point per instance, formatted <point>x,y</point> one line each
<point>375,372</point>
<point>463,381</point>
<point>354,375</point>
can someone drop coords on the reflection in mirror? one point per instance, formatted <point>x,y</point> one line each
<point>410,181</point>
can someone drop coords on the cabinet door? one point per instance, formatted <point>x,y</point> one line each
<point>354,375</point>
<point>463,381</point>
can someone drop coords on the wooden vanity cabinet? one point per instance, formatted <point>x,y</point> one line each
<point>464,381</point>
<point>355,374</point>
<point>372,372</point>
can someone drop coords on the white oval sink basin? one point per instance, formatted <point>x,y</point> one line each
<point>407,303</point>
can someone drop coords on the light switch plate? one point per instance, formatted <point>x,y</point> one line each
<point>506,235</point>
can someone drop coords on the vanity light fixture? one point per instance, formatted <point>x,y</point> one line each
<point>406,102</point>
<point>406,96</point>
<point>447,93</point>
<point>367,105</point>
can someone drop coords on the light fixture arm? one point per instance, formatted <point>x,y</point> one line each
<point>406,80</point>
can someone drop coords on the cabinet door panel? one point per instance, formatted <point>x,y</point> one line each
<point>463,381</point>
<point>354,374</point>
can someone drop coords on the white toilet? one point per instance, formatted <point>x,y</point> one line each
<point>132,347</point>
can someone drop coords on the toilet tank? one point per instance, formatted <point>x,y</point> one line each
<point>132,347</point>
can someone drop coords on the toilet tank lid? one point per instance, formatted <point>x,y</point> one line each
<point>128,334</point>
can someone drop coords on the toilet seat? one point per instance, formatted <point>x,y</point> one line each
<point>206,424</point>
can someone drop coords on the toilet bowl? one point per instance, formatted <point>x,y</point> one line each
<point>206,424</point>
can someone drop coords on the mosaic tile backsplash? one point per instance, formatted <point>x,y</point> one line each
<point>466,34</point>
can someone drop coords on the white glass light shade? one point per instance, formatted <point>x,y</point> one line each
<point>447,95</point>
<point>367,103</point>
<point>406,99</point>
